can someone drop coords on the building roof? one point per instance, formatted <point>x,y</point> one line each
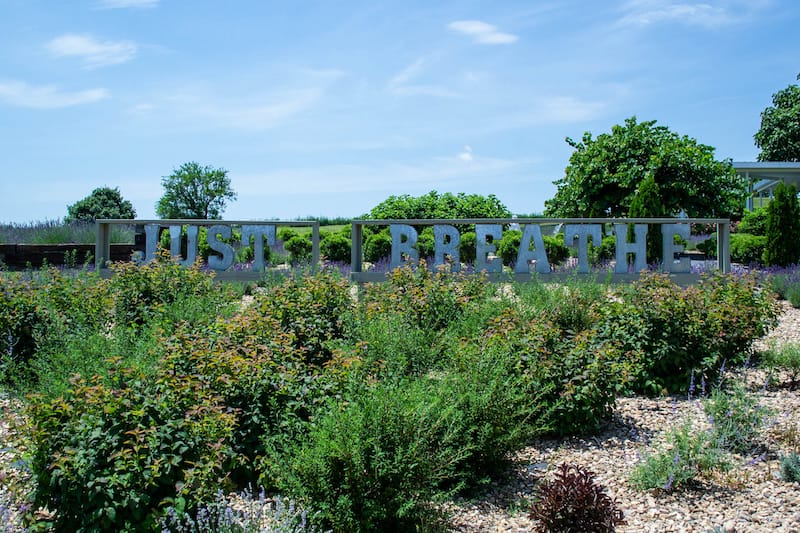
<point>764,175</point>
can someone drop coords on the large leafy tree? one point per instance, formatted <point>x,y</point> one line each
<point>195,191</point>
<point>103,202</point>
<point>604,174</point>
<point>779,135</point>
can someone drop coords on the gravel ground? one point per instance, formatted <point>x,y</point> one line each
<point>750,498</point>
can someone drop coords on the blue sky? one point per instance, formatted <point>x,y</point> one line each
<point>326,108</point>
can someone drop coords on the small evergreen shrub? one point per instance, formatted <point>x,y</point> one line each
<point>299,247</point>
<point>335,247</point>
<point>557,251</point>
<point>467,247</point>
<point>378,246</point>
<point>790,467</point>
<point>574,502</point>
<point>783,227</point>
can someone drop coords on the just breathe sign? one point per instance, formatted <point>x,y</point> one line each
<point>531,254</point>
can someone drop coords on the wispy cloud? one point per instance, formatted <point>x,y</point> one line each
<point>122,4</point>
<point>482,32</point>
<point>93,52</point>
<point>466,154</point>
<point>18,93</point>
<point>648,12</point>
<point>404,83</point>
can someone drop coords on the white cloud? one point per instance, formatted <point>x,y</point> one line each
<point>466,154</point>
<point>482,32</point>
<point>649,12</point>
<point>21,94</point>
<point>94,53</point>
<point>401,83</point>
<point>121,4</point>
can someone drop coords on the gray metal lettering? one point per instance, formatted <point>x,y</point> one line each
<point>403,250</point>
<point>224,261</point>
<point>442,248</point>
<point>532,232</point>
<point>483,248</point>
<point>258,233</point>
<point>638,248</point>
<point>581,233</point>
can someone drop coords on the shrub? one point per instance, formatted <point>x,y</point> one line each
<point>424,298</point>
<point>335,247</point>
<point>783,227</point>
<point>692,329</point>
<point>736,418</point>
<point>754,222</point>
<point>376,463</point>
<point>603,253</point>
<point>312,309</point>
<point>286,233</point>
<point>579,375</point>
<point>687,455</point>
<point>467,248</point>
<point>299,247</point>
<point>574,502</point>
<point>709,246</point>
<point>557,251</point>
<point>425,243</point>
<point>139,292</point>
<point>747,249</point>
<point>114,457</point>
<point>508,246</point>
<point>378,246</point>
<point>790,467</point>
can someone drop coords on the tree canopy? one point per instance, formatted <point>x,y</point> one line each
<point>435,205</point>
<point>779,135</point>
<point>604,174</point>
<point>103,202</point>
<point>194,191</point>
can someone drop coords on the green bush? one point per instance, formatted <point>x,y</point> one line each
<point>692,329</point>
<point>508,247</point>
<point>747,249</point>
<point>299,247</point>
<point>557,251</point>
<point>378,246</point>
<point>286,233</point>
<point>140,292</point>
<point>790,467</point>
<point>426,243</point>
<point>783,227</point>
<point>709,246</point>
<point>379,461</point>
<point>424,298</point>
<point>580,374</point>
<point>736,418</point>
<point>114,457</point>
<point>335,247</point>
<point>603,253</point>
<point>754,222</point>
<point>467,248</point>
<point>312,309</point>
<point>687,456</point>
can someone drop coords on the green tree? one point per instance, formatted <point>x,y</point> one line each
<point>647,203</point>
<point>783,227</point>
<point>104,202</point>
<point>194,191</point>
<point>604,174</point>
<point>779,135</point>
